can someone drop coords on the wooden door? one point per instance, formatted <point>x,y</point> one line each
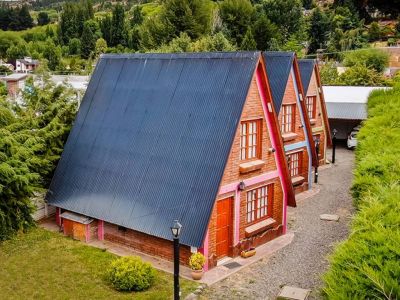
<point>224,227</point>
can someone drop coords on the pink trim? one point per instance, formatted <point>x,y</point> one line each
<point>254,180</point>
<point>237,218</point>
<point>100,230</point>
<point>87,227</point>
<point>204,251</point>
<point>274,144</point>
<point>58,218</point>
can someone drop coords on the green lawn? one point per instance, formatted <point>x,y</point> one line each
<point>46,265</point>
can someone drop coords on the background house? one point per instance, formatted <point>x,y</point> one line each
<point>26,65</point>
<point>14,83</point>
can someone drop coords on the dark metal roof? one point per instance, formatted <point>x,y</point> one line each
<point>151,140</point>
<point>306,69</point>
<point>278,65</point>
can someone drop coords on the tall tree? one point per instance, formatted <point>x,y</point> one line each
<point>236,16</point>
<point>43,18</point>
<point>190,16</point>
<point>264,31</point>
<point>318,30</point>
<point>118,36</point>
<point>287,14</point>
<point>88,41</point>
<point>248,42</point>
<point>25,18</point>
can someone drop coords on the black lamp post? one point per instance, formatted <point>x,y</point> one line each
<point>176,231</point>
<point>334,145</point>
<point>317,163</point>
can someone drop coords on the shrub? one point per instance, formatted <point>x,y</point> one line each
<point>197,261</point>
<point>131,274</point>
<point>366,266</point>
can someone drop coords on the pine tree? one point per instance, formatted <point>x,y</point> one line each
<point>318,31</point>
<point>248,42</point>
<point>264,31</point>
<point>43,18</point>
<point>118,26</point>
<point>88,41</point>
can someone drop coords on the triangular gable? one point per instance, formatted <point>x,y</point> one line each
<point>272,118</point>
<point>307,68</point>
<point>139,153</point>
<point>279,66</point>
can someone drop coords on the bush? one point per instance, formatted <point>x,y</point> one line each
<point>366,266</point>
<point>197,261</point>
<point>371,58</point>
<point>131,274</point>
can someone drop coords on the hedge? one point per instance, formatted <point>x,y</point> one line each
<point>367,264</point>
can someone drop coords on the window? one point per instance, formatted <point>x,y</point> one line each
<point>258,203</point>
<point>288,118</point>
<point>311,102</point>
<point>294,163</point>
<point>250,139</point>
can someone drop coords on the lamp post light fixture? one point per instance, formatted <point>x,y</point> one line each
<point>334,145</point>
<point>176,231</point>
<point>317,163</point>
<point>241,186</point>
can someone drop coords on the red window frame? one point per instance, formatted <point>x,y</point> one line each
<point>311,103</point>
<point>259,203</point>
<point>250,139</point>
<point>295,161</point>
<point>288,118</point>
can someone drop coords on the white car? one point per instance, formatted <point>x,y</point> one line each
<point>352,138</point>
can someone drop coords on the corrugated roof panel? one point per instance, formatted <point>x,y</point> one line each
<point>278,65</point>
<point>306,69</point>
<point>349,111</point>
<point>151,140</point>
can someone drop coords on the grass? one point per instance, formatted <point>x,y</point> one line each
<point>46,265</point>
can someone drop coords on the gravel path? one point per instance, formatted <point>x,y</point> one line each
<point>304,260</point>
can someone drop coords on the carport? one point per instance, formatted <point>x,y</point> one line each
<point>346,106</point>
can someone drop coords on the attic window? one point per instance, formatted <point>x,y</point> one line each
<point>311,106</point>
<point>250,139</point>
<point>288,118</point>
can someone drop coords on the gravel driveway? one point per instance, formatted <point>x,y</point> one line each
<point>303,262</point>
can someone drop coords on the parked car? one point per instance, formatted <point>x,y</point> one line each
<point>352,137</point>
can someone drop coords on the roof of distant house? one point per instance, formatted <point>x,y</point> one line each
<point>347,102</point>
<point>279,65</point>
<point>29,63</point>
<point>151,140</point>
<point>14,77</point>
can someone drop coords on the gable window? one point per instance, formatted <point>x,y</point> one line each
<point>311,103</point>
<point>288,118</point>
<point>259,203</point>
<point>294,162</point>
<point>250,139</point>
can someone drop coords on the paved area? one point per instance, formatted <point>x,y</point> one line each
<point>301,263</point>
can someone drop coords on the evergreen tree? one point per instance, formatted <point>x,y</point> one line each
<point>24,18</point>
<point>88,41</point>
<point>74,46</point>
<point>43,18</point>
<point>264,31</point>
<point>137,18</point>
<point>248,42</point>
<point>32,136</point>
<point>53,54</point>
<point>374,31</point>
<point>318,30</point>
<point>118,26</point>
<point>236,16</point>
<point>106,29</point>
<point>190,16</point>
<point>287,14</point>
